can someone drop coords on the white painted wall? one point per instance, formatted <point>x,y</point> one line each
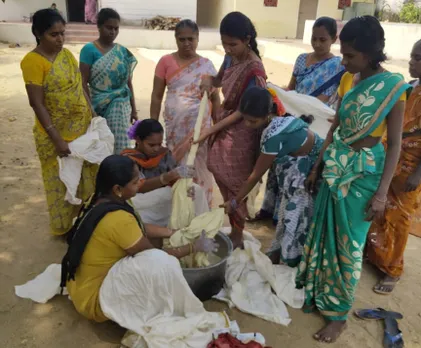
<point>15,10</point>
<point>137,10</point>
<point>396,47</point>
<point>129,37</point>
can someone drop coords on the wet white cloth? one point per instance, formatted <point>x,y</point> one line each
<point>149,295</point>
<point>250,278</point>
<point>300,104</point>
<point>155,207</point>
<point>93,147</point>
<point>43,287</point>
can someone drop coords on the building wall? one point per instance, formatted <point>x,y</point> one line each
<point>132,11</point>
<point>211,12</point>
<point>279,22</point>
<point>329,8</point>
<point>15,10</point>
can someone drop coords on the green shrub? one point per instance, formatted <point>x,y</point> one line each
<point>410,13</point>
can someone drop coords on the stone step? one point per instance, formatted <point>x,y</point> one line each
<point>80,39</point>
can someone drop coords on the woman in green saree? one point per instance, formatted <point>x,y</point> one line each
<point>356,172</point>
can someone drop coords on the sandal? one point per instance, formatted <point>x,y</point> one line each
<point>376,314</point>
<point>392,335</point>
<point>390,283</point>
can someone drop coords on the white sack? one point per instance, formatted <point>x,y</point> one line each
<point>250,278</point>
<point>93,147</point>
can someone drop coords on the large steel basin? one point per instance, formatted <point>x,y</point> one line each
<point>206,282</point>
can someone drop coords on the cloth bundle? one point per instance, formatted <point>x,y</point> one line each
<point>250,278</point>
<point>94,146</point>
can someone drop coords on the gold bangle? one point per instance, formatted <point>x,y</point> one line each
<point>379,200</point>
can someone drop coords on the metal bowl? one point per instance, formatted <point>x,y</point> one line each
<point>206,282</point>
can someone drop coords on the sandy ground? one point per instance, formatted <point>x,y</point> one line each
<point>26,248</point>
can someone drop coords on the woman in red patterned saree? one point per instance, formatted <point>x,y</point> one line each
<point>234,147</point>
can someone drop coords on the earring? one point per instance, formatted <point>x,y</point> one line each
<point>119,195</point>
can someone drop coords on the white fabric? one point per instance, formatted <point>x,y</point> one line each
<point>149,295</point>
<point>43,287</point>
<point>250,278</point>
<point>155,207</point>
<point>300,104</point>
<point>93,147</point>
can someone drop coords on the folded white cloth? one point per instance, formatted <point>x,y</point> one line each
<point>94,146</point>
<point>250,278</point>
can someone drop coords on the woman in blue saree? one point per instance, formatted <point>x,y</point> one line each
<point>317,74</point>
<point>356,174</point>
<point>107,69</point>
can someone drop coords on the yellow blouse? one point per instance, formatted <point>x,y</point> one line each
<point>115,233</point>
<point>35,68</point>
<point>346,84</point>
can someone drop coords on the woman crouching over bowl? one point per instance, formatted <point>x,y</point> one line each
<point>159,170</point>
<point>288,143</point>
<point>102,280</point>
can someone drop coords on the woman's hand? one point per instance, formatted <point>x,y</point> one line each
<point>376,207</point>
<point>206,85</point>
<point>230,206</point>
<point>204,135</point>
<point>179,173</point>
<point>62,148</point>
<point>413,182</point>
<point>205,244</point>
<point>311,181</point>
<point>133,117</point>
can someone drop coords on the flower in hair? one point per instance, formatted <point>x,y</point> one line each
<point>132,130</point>
<point>279,106</point>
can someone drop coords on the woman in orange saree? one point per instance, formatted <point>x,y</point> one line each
<point>387,238</point>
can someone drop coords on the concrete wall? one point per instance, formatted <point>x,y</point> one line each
<point>329,8</point>
<point>211,12</point>
<point>15,10</point>
<point>279,22</point>
<point>396,47</point>
<point>133,11</point>
<point>130,37</point>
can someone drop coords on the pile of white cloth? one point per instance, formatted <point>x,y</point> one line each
<point>93,147</point>
<point>250,278</point>
<point>148,295</point>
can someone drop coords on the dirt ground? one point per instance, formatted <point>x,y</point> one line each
<point>26,248</point>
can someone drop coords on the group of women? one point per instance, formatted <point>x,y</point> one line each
<point>326,196</point>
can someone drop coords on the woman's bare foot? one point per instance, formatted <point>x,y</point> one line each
<point>331,332</point>
<point>386,285</point>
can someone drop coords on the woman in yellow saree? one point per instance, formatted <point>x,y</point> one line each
<point>387,238</point>
<point>356,175</point>
<point>54,87</point>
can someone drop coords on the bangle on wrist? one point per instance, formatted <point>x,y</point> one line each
<point>51,126</point>
<point>234,204</point>
<point>380,200</point>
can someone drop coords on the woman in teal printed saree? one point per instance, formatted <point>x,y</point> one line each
<point>356,176</point>
<point>107,68</point>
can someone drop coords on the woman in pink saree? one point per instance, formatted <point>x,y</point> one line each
<point>90,11</point>
<point>181,73</point>
<point>234,147</point>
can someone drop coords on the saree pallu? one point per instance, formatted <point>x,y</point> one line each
<point>110,93</point>
<point>234,150</point>
<point>387,239</point>
<point>71,115</point>
<point>181,110</point>
<point>332,261</point>
<point>296,205</point>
